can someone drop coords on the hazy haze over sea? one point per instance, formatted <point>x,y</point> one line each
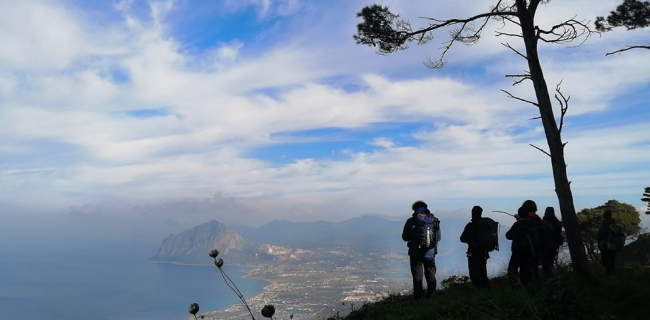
<point>63,268</point>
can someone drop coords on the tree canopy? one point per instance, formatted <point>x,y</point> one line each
<point>631,14</point>
<point>646,198</point>
<point>384,29</point>
<point>590,220</point>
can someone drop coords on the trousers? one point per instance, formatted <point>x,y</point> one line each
<point>420,268</point>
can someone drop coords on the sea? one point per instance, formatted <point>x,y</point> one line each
<point>79,277</point>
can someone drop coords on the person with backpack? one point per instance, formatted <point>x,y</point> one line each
<point>553,240</point>
<point>607,252</point>
<point>481,236</point>
<point>525,234</point>
<point>422,234</point>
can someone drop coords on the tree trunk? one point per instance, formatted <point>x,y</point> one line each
<point>556,148</point>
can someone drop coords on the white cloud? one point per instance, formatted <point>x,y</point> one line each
<point>268,8</point>
<point>222,105</point>
<point>382,142</point>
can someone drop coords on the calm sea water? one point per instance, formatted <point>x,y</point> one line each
<point>73,279</point>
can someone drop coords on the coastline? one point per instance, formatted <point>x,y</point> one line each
<point>306,291</point>
<point>180,263</point>
<point>238,310</point>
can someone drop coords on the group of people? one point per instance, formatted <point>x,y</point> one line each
<point>535,241</point>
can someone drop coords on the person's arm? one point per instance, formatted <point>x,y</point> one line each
<point>512,233</point>
<point>464,237</point>
<point>406,232</point>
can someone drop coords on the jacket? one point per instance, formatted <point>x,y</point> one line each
<point>423,253</point>
<point>470,236</point>
<point>519,232</point>
<point>603,232</point>
<point>554,236</point>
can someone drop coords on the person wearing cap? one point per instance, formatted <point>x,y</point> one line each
<point>421,258</point>
<point>608,257</point>
<point>476,257</point>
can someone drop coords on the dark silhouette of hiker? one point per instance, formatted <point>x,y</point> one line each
<point>607,256</point>
<point>513,263</point>
<point>525,234</point>
<point>422,249</point>
<point>476,256</point>
<point>552,240</point>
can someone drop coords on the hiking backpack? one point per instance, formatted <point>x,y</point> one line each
<point>532,241</point>
<point>424,233</point>
<point>615,237</point>
<point>488,234</point>
<point>552,236</point>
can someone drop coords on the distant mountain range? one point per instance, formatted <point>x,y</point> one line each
<point>273,240</point>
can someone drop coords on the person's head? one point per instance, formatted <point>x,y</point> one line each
<point>549,212</point>
<point>418,204</point>
<point>529,206</point>
<point>521,212</point>
<point>477,211</point>
<point>607,214</point>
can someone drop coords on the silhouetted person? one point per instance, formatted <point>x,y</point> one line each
<point>422,233</point>
<point>525,234</point>
<point>552,240</point>
<point>607,256</point>
<point>514,262</point>
<point>476,256</point>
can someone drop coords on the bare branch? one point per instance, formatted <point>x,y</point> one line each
<point>499,33</point>
<point>520,99</point>
<point>566,32</point>
<point>507,45</point>
<point>564,104</point>
<point>628,48</point>
<point>540,149</point>
<point>511,20</point>
<point>523,77</point>
<point>466,34</point>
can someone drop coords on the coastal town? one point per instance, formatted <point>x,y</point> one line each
<point>335,283</point>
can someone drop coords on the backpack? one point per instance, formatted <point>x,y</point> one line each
<point>552,236</point>
<point>488,234</point>
<point>532,241</point>
<point>615,237</point>
<point>424,233</point>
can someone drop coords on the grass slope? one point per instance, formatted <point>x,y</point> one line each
<point>566,296</point>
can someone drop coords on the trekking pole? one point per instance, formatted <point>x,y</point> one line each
<point>512,215</point>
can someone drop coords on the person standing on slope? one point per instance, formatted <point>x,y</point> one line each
<point>477,255</point>
<point>422,234</point>
<point>552,240</point>
<point>526,234</point>
<point>607,255</point>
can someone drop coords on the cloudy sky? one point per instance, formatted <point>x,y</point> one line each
<point>269,107</point>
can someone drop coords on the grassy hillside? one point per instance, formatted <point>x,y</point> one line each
<point>566,296</point>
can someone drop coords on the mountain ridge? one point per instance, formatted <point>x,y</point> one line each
<point>240,243</point>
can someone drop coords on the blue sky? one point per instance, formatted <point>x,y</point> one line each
<point>106,105</point>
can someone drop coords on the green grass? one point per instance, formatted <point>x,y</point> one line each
<point>566,296</point>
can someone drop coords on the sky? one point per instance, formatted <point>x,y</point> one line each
<point>247,111</point>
